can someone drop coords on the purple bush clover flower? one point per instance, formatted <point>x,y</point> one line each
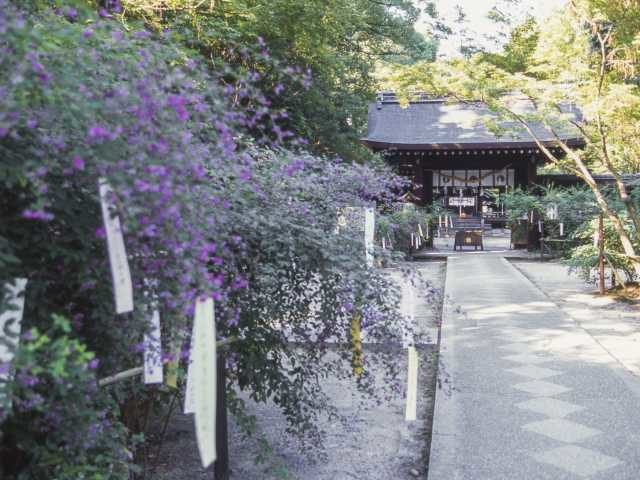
<point>98,134</point>
<point>71,14</point>
<point>177,103</point>
<point>78,163</point>
<point>39,215</point>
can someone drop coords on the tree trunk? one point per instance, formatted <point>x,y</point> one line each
<point>584,173</point>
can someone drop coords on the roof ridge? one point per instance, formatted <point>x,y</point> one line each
<point>390,97</point>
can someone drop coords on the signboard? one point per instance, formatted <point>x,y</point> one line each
<point>360,220</point>
<point>462,201</point>
<point>369,232</point>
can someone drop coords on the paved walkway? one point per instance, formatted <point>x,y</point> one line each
<point>527,393</point>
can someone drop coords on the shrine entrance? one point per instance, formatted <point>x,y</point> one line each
<point>472,192</point>
<point>453,159</point>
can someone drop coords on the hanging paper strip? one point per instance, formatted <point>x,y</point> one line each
<point>412,384</point>
<point>384,244</point>
<point>10,327</point>
<point>540,226</point>
<point>122,289</point>
<point>204,380</point>
<point>356,344</point>
<point>561,229</point>
<point>171,378</point>
<point>420,230</point>
<point>153,350</point>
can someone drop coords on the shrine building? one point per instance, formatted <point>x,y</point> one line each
<point>451,155</point>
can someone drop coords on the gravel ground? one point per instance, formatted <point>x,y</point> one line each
<point>374,444</point>
<point>613,323</point>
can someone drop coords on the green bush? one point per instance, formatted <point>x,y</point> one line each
<point>61,425</point>
<point>398,225</point>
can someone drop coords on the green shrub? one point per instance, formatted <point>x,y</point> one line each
<point>60,426</point>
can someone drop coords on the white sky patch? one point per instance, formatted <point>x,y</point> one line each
<point>478,26</point>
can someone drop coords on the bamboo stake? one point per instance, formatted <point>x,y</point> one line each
<point>132,372</point>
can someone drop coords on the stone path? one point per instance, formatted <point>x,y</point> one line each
<point>527,393</point>
<point>614,324</point>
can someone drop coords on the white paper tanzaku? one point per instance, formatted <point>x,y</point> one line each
<point>122,289</point>
<point>10,322</point>
<point>153,350</point>
<point>412,385</point>
<point>204,380</point>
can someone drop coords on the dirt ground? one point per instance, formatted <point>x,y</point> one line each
<point>376,443</point>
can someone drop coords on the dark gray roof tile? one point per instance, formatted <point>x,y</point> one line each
<point>442,124</point>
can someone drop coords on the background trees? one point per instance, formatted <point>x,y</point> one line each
<point>585,56</point>
<point>337,44</point>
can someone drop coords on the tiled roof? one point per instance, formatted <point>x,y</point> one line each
<point>437,123</point>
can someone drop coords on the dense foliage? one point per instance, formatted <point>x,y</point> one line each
<point>62,426</point>
<point>576,209</point>
<point>217,198</point>
<point>399,223</point>
<point>338,44</point>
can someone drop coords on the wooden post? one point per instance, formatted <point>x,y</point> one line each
<point>221,465</point>
<point>601,253</point>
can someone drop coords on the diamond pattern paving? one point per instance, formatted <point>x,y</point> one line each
<point>541,388</point>
<point>534,348</point>
<point>527,358</point>
<point>532,371</point>
<point>562,430</point>
<point>551,407</point>
<point>516,347</point>
<point>578,460</point>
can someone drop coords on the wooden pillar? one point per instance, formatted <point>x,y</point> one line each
<point>532,170</point>
<point>428,187</point>
<point>418,180</point>
<point>221,466</point>
<point>601,254</point>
